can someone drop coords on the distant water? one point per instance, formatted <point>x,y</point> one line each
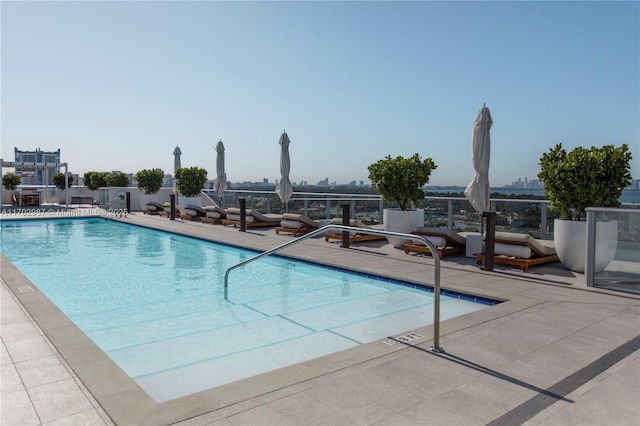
<point>628,195</point>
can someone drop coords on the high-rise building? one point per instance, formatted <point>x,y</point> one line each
<point>32,175</point>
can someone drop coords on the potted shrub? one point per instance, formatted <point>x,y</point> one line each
<point>579,179</point>
<point>400,180</point>
<point>189,182</point>
<point>117,180</point>
<point>149,182</point>
<point>10,182</point>
<point>62,184</point>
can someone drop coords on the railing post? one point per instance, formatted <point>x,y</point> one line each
<point>543,221</point>
<point>243,214</point>
<point>345,222</point>
<point>450,215</point>
<point>128,194</point>
<point>590,252</point>
<point>172,200</point>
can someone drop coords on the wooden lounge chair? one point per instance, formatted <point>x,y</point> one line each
<point>213,214</point>
<point>153,207</point>
<point>354,237</point>
<point>520,250</point>
<point>446,242</point>
<point>166,210</point>
<point>192,212</point>
<point>296,224</point>
<point>253,218</point>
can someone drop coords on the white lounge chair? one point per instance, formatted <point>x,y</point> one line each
<point>520,250</point>
<point>213,214</point>
<point>296,224</point>
<point>354,237</point>
<point>253,218</point>
<point>446,242</point>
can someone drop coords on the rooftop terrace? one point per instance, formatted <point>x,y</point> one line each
<point>556,352</point>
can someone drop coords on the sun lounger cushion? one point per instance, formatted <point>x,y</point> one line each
<point>154,206</point>
<point>236,217</point>
<point>214,212</point>
<point>512,250</point>
<point>268,217</point>
<point>452,235</point>
<point>436,241</point>
<point>197,209</point>
<point>301,220</point>
<point>541,246</point>
<point>293,224</point>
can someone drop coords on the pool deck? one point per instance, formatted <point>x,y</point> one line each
<point>555,353</point>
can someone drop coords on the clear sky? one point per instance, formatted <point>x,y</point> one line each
<point>118,85</point>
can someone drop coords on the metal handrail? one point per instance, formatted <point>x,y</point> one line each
<point>436,290</point>
<point>115,200</point>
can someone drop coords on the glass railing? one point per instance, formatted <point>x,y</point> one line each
<point>613,261</point>
<point>454,213</point>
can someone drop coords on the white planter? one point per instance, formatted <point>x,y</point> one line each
<point>396,220</point>
<point>570,240</point>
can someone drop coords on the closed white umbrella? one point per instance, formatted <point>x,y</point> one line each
<point>284,188</point>
<point>220,184</point>
<point>176,159</point>
<point>477,192</point>
<point>176,165</point>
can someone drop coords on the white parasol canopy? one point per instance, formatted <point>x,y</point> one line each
<point>284,188</point>
<point>176,159</point>
<point>220,184</point>
<point>477,192</point>
<point>176,165</point>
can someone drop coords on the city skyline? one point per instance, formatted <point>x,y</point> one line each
<point>118,85</point>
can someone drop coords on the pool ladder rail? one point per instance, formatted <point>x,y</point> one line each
<point>436,290</point>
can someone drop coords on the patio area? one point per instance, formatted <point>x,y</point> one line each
<point>555,352</point>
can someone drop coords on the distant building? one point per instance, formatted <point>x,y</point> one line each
<point>525,184</point>
<point>167,181</point>
<point>32,175</point>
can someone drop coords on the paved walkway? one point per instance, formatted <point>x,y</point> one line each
<point>554,353</point>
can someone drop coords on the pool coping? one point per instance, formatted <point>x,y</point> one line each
<point>126,403</point>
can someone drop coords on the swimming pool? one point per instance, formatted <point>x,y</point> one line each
<point>153,301</point>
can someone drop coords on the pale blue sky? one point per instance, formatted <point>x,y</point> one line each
<point>117,85</point>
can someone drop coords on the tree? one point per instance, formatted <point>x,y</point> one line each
<point>117,179</point>
<point>58,180</point>
<point>190,181</point>
<point>149,181</point>
<point>11,181</point>
<point>95,180</point>
<point>584,178</point>
<point>401,179</point>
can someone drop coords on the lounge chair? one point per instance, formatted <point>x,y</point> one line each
<point>253,218</point>
<point>446,242</point>
<point>213,214</point>
<point>296,224</point>
<point>192,212</point>
<point>153,207</point>
<point>166,210</point>
<point>520,250</point>
<point>354,237</point>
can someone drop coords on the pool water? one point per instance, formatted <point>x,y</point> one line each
<point>154,302</point>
